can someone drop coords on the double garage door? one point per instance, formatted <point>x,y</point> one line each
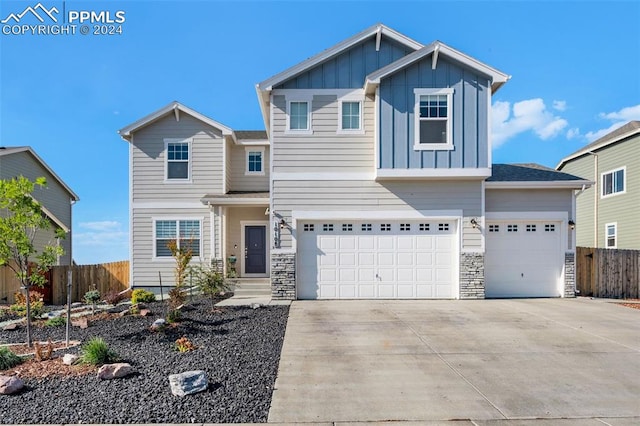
<point>353,259</point>
<point>523,258</point>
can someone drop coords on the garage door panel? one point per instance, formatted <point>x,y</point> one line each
<point>394,259</point>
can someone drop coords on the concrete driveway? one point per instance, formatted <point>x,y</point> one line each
<point>574,361</point>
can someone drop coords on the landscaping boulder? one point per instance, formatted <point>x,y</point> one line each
<point>9,327</point>
<point>115,371</point>
<point>144,312</point>
<point>69,359</point>
<point>158,324</point>
<point>10,385</point>
<point>188,382</point>
<point>82,322</point>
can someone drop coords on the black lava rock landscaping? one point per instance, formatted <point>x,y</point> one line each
<point>238,347</point>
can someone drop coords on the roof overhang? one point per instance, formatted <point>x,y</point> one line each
<point>235,201</point>
<point>591,148</point>
<point>176,108</point>
<point>437,49</point>
<point>433,174</point>
<point>264,88</point>
<point>54,219</point>
<point>556,184</point>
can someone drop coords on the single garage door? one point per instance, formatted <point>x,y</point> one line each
<point>523,259</point>
<point>376,260</point>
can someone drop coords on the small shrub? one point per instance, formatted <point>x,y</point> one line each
<point>92,297</point>
<point>177,297</point>
<point>139,295</point>
<point>174,316</point>
<point>210,281</point>
<point>8,359</point>
<point>56,322</point>
<point>97,352</point>
<point>43,353</point>
<point>184,345</point>
<point>114,297</point>
<point>36,304</point>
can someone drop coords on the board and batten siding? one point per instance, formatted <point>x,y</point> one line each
<point>149,157</point>
<point>54,196</point>
<point>375,196</point>
<point>143,266</point>
<point>239,180</point>
<point>325,150</point>
<point>531,200</point>
<point>349,68</point>
<point>621,208</point>
<point>469,109</point>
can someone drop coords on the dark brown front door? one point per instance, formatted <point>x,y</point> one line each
<point>255,249</point>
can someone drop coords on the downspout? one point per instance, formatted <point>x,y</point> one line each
<point>595,198</point>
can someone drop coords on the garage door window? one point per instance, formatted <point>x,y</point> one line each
<point>549,227</point>
<point>512,228</point>
<point>327,227</point>
<point>347,227</point>
<point>424,227</point>
<point>531,228</point>
<point>443,227</point>
<point>494,228</point>
<point>308,227</point>
<point>385,227</point>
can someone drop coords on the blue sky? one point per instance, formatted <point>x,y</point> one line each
<point>575,70</point>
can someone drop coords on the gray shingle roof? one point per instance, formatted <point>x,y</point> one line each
<point>251,134</point>
<point>527,173</point>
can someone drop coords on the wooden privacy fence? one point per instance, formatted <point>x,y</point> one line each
<point>608,273</point>
<point>106,277</point>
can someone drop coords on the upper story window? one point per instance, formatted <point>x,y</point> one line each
<point>254,161</point>
<point>186,233</point>
<point>350,116</point>
<point>178,159</point>
<point>611,235</point>
<point>613,182</point>
<point>299,116</point>
<point>433,119</point>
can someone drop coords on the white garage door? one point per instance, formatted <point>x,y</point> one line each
<point>376,259</point>
<point>523,259</point>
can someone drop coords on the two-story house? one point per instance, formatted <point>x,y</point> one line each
<point>377,183</point>
<point>607,212</point>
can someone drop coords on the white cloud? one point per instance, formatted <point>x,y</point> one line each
<point>573,133</point>
<point>99,242</point>
<point>617,119</point>
<point>560,105</point>
<point>106,225</point>
<point>527,115</point>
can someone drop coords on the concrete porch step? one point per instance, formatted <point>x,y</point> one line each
<point>247,287</point>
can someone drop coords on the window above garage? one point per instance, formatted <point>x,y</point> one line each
<point>433,119</point>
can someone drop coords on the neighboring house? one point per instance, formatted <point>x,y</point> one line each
<point>56,200</point>
<point>607,213</point>
<point>378,167</point>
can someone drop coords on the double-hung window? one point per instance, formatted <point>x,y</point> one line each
<point>299,116</point>
<point>178,160</point>
<point>186,234</point>
<point>350,116</point>
<point>611,235</point>
<point>613,182</point>
<point>433,119</point>
<point>254,161</point>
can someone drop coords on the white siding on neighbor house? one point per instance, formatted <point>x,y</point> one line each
<point>143,266</point>
<point>54,197</point>
<point>531,200</point>
<point>375,196</point>
<point>239,181</point>
<point>149,157</point>
<point>325,150</point>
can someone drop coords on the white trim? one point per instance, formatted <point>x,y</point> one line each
<point>572,232</point>
<point>155,219</point>
<point>360,130</point>
<point>167,205</point>
<point>553,216</point>
<point>271,206</point>
<point>53,218</point>
<point>189,142</point>
<point>248,150</point>
<point>308,94</point>
<point>462,173</point>
<point>252,142</point>
<point>223,239</point>
<point>127,132</point>
<point>612,173</point>
<point>483,215</point>
<point>212,236</point>
<point>589,148</point>
<point>417,145</point>
<point>267,246</point>
<point>556,184</point>
<point>263,201</point>
<point>299,99</point>
<point>376,129</point>
<point>131,208</point>
<point>615,235</point>
<point>224,165</point>
<point>374,214</point>
<point>322,176</point>
<point>335,50</point>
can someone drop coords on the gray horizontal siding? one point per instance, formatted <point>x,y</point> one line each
<point>144,268</point>
<point>529,200</point>
<point>469,113</point>
<point>54,197</point>
<point>324,150</point>
<point>348,69</point>
<point>370,196</point>
<point>584,168</point>
<point>239,181</point>
<point>149,160</point>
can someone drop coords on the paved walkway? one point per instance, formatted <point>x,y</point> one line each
<point>495,362</point>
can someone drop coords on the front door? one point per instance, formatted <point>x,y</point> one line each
<point>255,249</point>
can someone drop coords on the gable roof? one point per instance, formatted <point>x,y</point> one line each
<point>630,129</point>
<point>6,151</point>
<point>174,107</point>
<point>335,50</point>
<point>436,48</point>
<point>532,175</point>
